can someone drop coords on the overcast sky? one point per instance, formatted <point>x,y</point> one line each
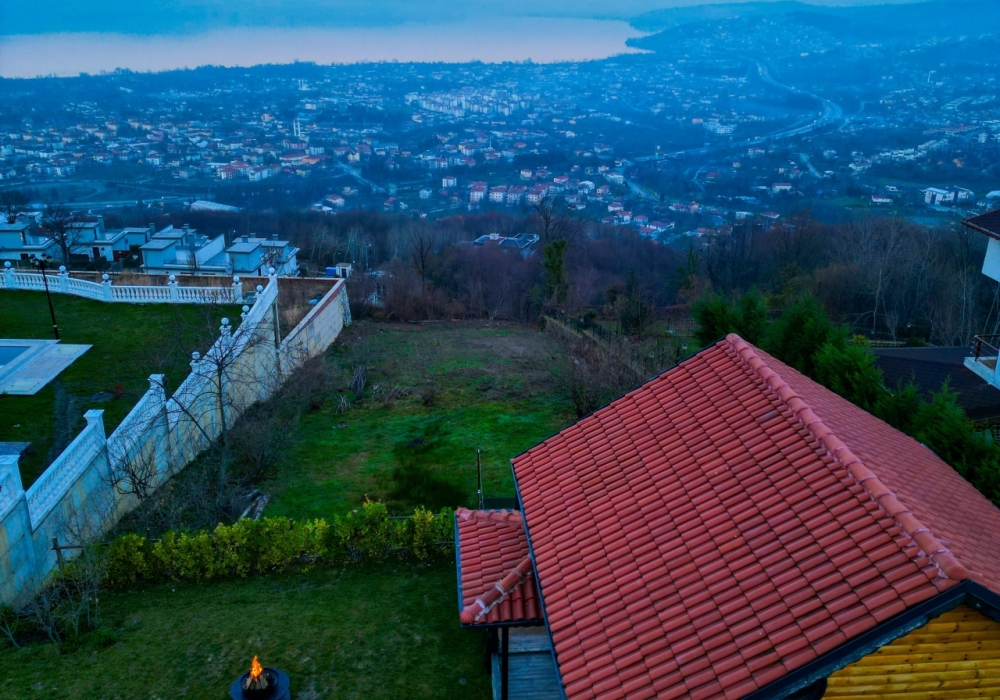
<point>168,16</point>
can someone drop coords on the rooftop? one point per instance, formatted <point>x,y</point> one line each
<point>988,223</point>
<point>731,521</point>
<point>497,582</point>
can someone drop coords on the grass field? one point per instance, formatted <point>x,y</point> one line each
<point>494,391</point>
<point>387,630</point>
<point>130,342</point>
<point>378,630</point>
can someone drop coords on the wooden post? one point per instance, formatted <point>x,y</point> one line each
<point>504,654</point>
<point>59,554</point>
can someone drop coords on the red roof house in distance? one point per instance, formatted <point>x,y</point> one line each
<point>731,529</point>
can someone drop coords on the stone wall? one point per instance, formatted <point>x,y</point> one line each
<point>75,498</point>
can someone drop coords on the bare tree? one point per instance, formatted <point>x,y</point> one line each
<point>12,203</point>
<point>591,373</point>
<point>69,604</point>
<point>423,243</point>
<point>58,227</point>
<point>550,223</point>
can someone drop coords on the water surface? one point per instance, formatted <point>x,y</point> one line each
<point>541,40</point>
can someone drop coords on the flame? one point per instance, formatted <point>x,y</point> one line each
<point>255,669</point>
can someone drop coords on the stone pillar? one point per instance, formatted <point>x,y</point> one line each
<point>9,281</point>
<point>172,286</point>
<point>159,429</point>
<point>237,290</point>
<point>63,279</point>
<point>18,569</point>
<point>10,481</point>
<point>95,421</point>
<point>106,282</point>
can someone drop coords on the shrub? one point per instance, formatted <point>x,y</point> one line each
<point>128,560</point>
<point>275,544</point>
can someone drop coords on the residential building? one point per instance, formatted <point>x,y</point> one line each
<point>21,241</point>
<point>732,529</point>
<point>515,194</point>
<point>523,242</point>
<point>257,256</point>
<point>498,194</point>
<point>185,251</point>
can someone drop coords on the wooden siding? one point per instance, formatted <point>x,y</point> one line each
<point>954,657</point>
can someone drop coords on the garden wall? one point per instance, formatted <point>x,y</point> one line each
<point>76,499</point>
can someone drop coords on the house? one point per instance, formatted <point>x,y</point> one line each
<point>515,194</point>
<point>522,242</point>
<point>185,251</point>
<point>90,239</point>
<point>984,347</point>
<point>449,181</point>
<point>498,194</point>
<point>477,193</point>
<point>936,195</point>
<point>425,193</point>
<point>929,368</point>
<point>782,187</point>
<point>21,240</point>
<point>731,529</point>
<point>536,194</point>
<point>880,199</point>
<point>257,256</point>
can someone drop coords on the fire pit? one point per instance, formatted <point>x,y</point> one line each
<point>261,683</point>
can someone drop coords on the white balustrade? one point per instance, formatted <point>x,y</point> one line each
<point>192,414</point>
<point>52,485</point>
<point>62,283</point>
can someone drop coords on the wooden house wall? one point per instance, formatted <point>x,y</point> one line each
<point>954,657</point>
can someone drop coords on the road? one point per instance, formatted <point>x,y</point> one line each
<point>356,174</point>
<point>831,113</point>
<point>804,158</point>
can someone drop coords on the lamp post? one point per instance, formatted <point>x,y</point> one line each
<point>42,264</point>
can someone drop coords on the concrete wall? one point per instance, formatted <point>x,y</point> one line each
<point>991,263</point>
<point>75,499</point>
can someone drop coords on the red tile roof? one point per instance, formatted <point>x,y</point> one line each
<point>732,520</point>
<point>497,578</point>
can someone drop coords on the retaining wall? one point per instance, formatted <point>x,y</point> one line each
<point>76,497</point>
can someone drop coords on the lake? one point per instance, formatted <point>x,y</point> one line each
<point>543,40</point>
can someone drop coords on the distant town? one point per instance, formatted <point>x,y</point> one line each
<point>674,143</point>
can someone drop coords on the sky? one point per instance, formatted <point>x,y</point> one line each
<point>18,17</point>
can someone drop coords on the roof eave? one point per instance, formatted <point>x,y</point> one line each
<point>976,227</point>
<point>969,592</point>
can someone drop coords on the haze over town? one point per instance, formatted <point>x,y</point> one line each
<point>525,350</point>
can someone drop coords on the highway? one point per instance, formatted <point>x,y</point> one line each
<point>831,113</point>
<point>356,174</point>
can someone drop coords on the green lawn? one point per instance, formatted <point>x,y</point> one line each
<point>378,630</point>
<point>130,342</point>
<point>387,630</point>
<point>494,392</point>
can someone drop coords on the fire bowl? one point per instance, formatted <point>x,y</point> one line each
<point>278,689</point>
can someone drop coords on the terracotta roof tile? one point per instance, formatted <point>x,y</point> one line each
<point>740,503</point>
<point>497,577</point>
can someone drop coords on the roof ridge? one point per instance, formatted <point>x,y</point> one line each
<point>509,517</point>
<point>500,590</point>
<point>946,562</point>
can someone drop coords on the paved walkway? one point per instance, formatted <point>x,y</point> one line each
<point>27,372</point>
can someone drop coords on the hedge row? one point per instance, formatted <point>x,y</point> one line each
<point>273,544</point>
